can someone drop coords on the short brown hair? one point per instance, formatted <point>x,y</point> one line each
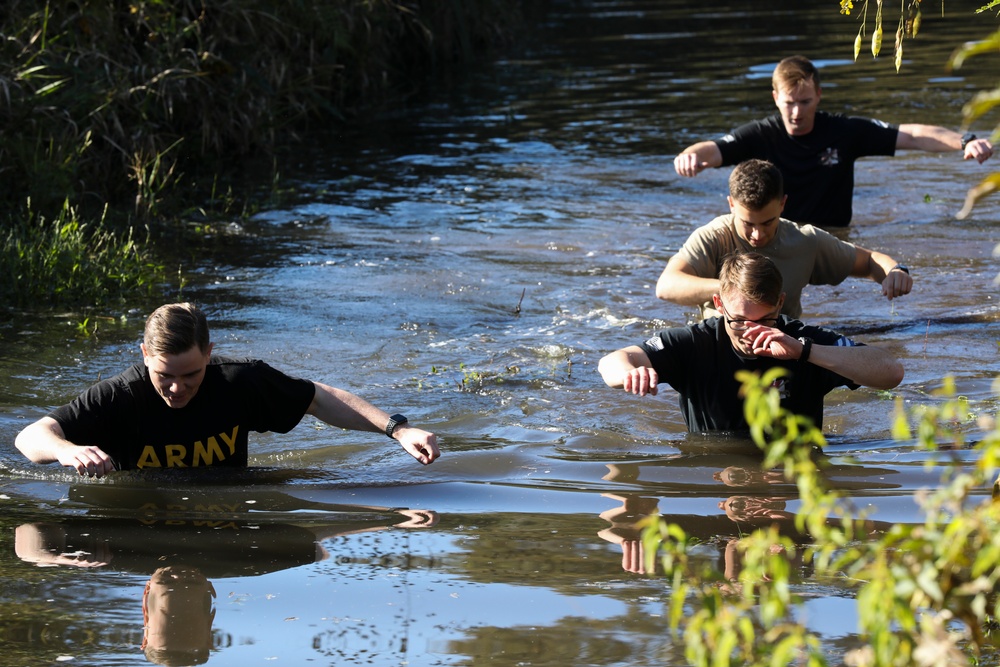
<point>751,275</point>
<point>794,70</point>
<point>175,328</point>
<point>755,184</point>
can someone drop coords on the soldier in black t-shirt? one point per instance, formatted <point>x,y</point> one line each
<point>700,361</point>
<point>184,408</point>
<point>815,150</point>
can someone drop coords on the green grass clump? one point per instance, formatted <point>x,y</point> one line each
<point>68,263</point>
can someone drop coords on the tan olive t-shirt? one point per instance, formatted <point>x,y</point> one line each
<point>804,254</point>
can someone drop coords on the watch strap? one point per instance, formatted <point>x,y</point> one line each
<point>394,421</point>
<point>807,345</point>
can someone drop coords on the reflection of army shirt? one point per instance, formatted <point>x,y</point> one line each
<point>818,168</point>
<point>699,361</point>
<point>125,417</point>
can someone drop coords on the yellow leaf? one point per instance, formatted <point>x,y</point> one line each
<point>857,45</point>
<point>989,45</point>
<point>988,186</point>
<point>877,41</point>
<point>899,57</point>
<point>981,102</point>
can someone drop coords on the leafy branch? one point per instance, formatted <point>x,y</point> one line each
<point>926,592</point>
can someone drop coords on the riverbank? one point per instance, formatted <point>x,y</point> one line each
<point>122,117</point>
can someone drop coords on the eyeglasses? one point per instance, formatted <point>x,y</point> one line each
<point>743,325</point>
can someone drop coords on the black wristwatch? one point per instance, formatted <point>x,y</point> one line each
<point>966,138</point>
<point>807,344</point>
<point>900,267</point>
<point>394,421</point>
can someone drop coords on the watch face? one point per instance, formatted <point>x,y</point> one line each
<point>394,421</point>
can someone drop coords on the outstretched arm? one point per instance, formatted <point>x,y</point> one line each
<point>680,284</point>
<point>343,409</point>
<point>869,366</point>
<point>45,442</point>
<point>698,157</point>
<point>630,369</point>
<point>935,139</point>
<point>884,270</point>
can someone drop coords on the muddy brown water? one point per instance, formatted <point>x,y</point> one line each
<point>466,261</point>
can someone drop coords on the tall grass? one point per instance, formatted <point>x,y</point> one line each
<point>103,100</point>
<point>134,103</point>
<point>68,262</point>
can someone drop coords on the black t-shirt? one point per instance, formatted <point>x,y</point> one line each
<point>700,363</point>
<point>125,417</point>
<point>818,168</point>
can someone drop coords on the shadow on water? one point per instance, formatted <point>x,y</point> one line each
<point>467,261</point>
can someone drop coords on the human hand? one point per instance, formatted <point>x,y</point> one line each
<point>689,164</point>
<point>420,444</point>
<point>45,544</point>
<point>634,557</point>
<point>633,553</point>
<point>88,461</point>
<point>979,150</point>
<point>770,342</point>
<point>896,283</point>
<point>418,518</point>
<point>641,381</point>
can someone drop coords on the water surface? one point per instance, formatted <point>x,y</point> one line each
<point>466,261</point>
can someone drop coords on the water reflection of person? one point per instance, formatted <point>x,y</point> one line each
<point>761,500</point>
<point>742,514</point>
<point>178,608</point>
<point>178,600</point>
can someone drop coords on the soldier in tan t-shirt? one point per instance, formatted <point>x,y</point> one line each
<point>805,255</point>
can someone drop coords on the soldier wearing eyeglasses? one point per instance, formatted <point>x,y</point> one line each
<point>700,361</point>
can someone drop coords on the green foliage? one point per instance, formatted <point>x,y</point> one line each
<point>64,261</point>
<point>926,593</point>
<point>111,98</point>
<point>109,102</point>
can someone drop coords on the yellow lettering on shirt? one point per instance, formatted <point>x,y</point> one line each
<point>202,453</point>
<point>208,453</point>
<point>231,440</point>
<point>175,456</point>
<point>149,458</point>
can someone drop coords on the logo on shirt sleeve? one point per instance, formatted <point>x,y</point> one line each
<point>655,343</point>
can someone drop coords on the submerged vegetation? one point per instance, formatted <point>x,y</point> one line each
<point>926,593</point>
<point>118,110</point>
